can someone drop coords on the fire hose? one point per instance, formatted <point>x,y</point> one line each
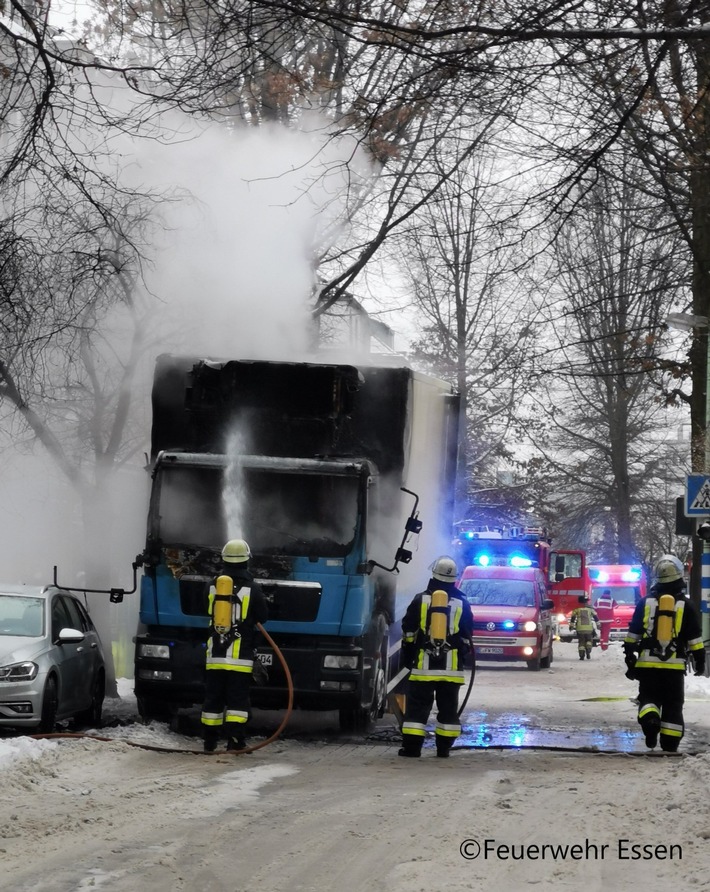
<point>166,749</point>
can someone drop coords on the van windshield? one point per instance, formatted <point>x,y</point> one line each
<point>498,592</point>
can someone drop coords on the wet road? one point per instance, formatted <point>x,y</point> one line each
<point>573,706</point>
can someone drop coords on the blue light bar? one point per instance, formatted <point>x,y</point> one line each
<point>518,561</point>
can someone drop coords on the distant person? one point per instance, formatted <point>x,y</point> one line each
<point>435,643</point>
<point>664,636</point>
<point>230,650</point>
<point>585,622</point>
<point>605,611</point>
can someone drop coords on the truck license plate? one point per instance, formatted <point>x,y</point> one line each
<point>265,659</point>
<point>489,650</point>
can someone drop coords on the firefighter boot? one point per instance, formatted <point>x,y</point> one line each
<point>236,743</point>
<point>650,726</point>
<point>211,738</point>
<point>411,749</point>
<point>443,745</point>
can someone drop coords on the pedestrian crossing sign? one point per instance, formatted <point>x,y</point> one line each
<point>697,496</point>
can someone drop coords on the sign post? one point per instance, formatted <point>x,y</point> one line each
<point>697,504</point>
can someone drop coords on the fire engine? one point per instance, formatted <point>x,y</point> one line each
<point>621,584</point>
<point>565,570</point>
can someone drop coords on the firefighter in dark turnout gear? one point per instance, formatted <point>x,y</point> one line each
<point>664,636</point>
<point>234,614</point>
<point>436,631</point>
<point>585,622</point>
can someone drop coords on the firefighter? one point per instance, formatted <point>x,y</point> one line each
<point>436,631</point>
<point>236,605</point>
<point>664,636</point>
<point>585,622</point>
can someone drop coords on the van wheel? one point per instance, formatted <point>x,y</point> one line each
<point>535,664</point>
<point>546,662</point>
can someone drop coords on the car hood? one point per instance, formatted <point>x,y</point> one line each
<point>490,612</point>
<point>17,649</point>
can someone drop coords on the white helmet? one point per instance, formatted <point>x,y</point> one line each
<point>236,551</point>
<point>444,569</point>
<point>668,569</point>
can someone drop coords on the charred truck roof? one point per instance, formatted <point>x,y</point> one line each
<point>282,408</point>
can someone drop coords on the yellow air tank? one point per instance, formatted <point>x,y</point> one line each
<point>222,604</point>
<point>666,615</point>
<point>439,617</point>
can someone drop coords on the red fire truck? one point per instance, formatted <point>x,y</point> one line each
<point>565,571</point>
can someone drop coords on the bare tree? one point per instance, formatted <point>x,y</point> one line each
<point>616,274</point>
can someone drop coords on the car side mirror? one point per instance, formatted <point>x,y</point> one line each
<point>70,636</point>
<point>548,604</point>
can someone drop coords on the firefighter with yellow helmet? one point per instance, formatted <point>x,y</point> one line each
<point>436,631</point>
<point>664,636</point>
<point>236,605</point>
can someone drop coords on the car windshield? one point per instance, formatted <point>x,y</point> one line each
<point>499,592</point>
<point>21,616</point>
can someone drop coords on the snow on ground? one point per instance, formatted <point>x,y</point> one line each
<point>333,813</point>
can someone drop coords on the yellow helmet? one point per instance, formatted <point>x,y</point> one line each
<point>236,551</point>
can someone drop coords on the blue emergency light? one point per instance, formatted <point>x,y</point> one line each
<point>632,575</point>
<point>518,560</point>
<point>509,624</point>
<point>483,559</point>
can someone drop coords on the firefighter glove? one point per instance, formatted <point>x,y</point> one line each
<point>630,660</point>
<point>698,658</point>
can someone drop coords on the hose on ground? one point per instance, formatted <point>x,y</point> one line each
<point>167,749</point>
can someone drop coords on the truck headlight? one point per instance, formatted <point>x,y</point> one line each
<point>18,671</point>
<point>155,651</point>
<point>340,661</point>
<point>530,626</point>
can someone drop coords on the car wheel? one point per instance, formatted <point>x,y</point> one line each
<point>50,705</point>
<point>91,717</point>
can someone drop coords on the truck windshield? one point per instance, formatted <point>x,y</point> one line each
<point>498,592</point>
<point>622,594</point>
<point>276,512</point>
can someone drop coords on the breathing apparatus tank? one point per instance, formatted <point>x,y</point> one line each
<point>222,604</point>
<point>664,625</point>
<point>439,616</point>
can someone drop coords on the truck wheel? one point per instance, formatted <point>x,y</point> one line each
<point>362,718</point>
<point>150,709</point>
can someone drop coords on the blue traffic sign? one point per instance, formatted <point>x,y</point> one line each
<point>697,496</point>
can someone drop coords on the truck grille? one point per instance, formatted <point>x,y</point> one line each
<point>291,601</point>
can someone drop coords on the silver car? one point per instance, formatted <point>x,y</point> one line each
<point>51,659</point>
